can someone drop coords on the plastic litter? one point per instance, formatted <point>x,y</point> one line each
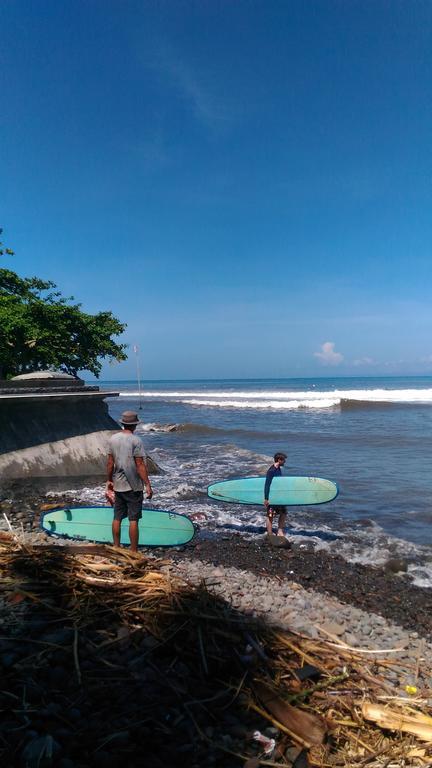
<point>307,672</point>
<point>411,689</point>
<point>268,745</point>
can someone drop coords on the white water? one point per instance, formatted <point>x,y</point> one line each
<point>289,400</point>
<point>380,456</point>
<point>183,488</point>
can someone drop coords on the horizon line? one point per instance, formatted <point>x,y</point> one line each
<point>270,378</point>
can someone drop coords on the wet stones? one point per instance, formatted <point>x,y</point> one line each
<point>396,565</point>
<point>278,541</point>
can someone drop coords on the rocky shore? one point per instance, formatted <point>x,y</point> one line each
<point>373,590</point>
<point>317,615</point>
<point>383,591</point>
<point>373,612</point>
<point>296,586</point>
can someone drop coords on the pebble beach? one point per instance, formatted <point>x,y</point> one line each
<point>369,619</point>
<point>298,587</point>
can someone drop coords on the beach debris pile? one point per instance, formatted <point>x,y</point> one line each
<point>109,659</point>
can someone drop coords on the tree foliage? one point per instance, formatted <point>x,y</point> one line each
<point>40,329</point>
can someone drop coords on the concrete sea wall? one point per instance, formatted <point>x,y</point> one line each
<point>55,434</point>
<point>84,455</point>
<point>29,421</point>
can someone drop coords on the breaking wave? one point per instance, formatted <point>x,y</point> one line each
<point>285,400</point>
<point>265,404</point>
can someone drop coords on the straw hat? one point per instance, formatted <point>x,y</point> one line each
<point>129,419</point>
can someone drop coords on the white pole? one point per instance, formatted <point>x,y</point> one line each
<point>136,350</point>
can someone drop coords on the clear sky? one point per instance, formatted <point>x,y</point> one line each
<point>246,184</point>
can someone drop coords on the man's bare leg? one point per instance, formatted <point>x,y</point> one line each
<point>116,532</point>
<point>133,535</point>
<point>281,524</point>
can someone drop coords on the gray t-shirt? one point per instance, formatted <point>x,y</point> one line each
<point>124,448</point>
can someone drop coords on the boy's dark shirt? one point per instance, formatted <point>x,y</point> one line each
<point>271,473</point>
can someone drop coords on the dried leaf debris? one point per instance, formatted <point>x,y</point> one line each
<point>110,660</point>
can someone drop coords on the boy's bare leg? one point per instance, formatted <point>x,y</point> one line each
<point>269,521</point>
<point>133,535</point>
<point>281,524</point>
<point>116,532</point>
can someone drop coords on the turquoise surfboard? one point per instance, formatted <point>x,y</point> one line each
<point>157,528</point>
<point>285,490</point>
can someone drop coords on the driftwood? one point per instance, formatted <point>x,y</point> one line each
<point>399,720</point>
<point>308,728</point>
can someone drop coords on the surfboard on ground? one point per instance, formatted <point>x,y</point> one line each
<point>285,490</point>
<point>157,527</point>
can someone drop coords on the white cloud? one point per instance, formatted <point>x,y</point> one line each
<point>364,361</point>
<point>328,356</point>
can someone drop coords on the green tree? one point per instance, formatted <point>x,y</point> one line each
<point>40,329</point>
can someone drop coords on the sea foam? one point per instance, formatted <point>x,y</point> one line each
<point>286,400</point>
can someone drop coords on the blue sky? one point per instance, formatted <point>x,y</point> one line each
<point>246,184</point>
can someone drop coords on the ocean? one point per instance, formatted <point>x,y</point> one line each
<point>373,436</point>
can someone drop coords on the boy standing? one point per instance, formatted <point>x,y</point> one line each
<point>271,511</point>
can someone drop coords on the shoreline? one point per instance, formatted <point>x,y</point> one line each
<point>290,600</point>
<point>372,589</point>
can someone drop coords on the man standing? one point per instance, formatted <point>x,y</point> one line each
<point>127,475</point>
<point>271,511</point>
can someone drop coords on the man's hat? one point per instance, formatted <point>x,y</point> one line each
<point>129,419</point>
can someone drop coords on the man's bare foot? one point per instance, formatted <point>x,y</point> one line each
<point>281,533</point>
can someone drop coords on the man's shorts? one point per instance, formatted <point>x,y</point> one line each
<point>128,504</point>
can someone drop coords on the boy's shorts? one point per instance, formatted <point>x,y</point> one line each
<point>277,509</point>
<point>128,504</point>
